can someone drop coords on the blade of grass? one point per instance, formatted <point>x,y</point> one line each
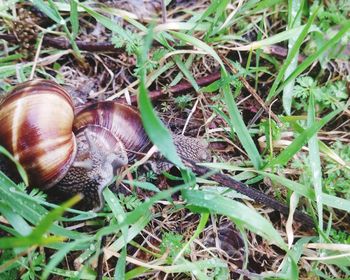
<point>306,191</point>
<point>240,128</point>
<point>134,230</point>
<point>15,220</point>
<point>186,72</point>
<point>274,39</point>
<point>157,132</point>
<point>179,76</point>
<point>294,7</point>
<point>120,216</point>
<point>36,237</point>
<point>202,222</point>
<point>52,11</point>
<point>74,18</point>
<point>65,248</point>
<point>137,213</point>
<point>199,44</point>
<point>293,52</point>
<point>143,185</point>
<point>332,155</point>
<point>315,161</point>
<point>301,140</point>
<point>329,200</point>
<point>22,204</point>
<point>246,216</point>
<point>310,59</point>
<point>19,167</point>
<point>119,273</point>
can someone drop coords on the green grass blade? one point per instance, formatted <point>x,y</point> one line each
<point>315,161</point>
<point>294,7</point>
<point>157,132</point>
<point>119,273</point>
<point>19,167</point>
<point>301,140</point>
<point>310,59</point>
<point>329,200</point>
<point>199,44</point>
<point>36,237</point>
<point>239,126</point>
<point>133,231</point>
<point>186,72</point>
<point>15,220</point>
<point>246,216</point>
<point>65,248</point>
<point>306,191</point>
<point>201,226</point>
<point>74,18</point>
<point>108,23</point>
<point>293,52</point>
<point>143,185</point>
<point>48,10</point>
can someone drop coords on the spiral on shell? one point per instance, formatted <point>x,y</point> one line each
<point>121,120</point>
<point>36,127</point>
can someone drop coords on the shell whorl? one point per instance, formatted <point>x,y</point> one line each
<point>36,121</point>
<point>121,120</point>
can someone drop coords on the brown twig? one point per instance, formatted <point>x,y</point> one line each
<point>61,43</point>
<point>280,52</point>
<point>258,196</point>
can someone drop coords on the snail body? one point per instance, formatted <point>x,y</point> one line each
<point>109,136</point>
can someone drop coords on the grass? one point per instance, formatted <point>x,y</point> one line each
<point>277,121</point>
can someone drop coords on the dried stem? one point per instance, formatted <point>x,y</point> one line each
<point>61,43</point>
<point>258,196</point>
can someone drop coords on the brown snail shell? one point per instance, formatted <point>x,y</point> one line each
<point>36,121</point>
<point>121,120</point>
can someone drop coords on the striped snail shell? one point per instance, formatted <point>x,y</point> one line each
<point>108,136</point>
<point>36,121</point>
<point>123,121</point>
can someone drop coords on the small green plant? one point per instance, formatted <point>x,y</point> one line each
<point>33,264</point>
<point>165,107</point>
<point>11,271</point>
<point>172,243</point>
<point>129,202</point>
<point>335,13</point>
<point>183,101</point>
<point>331,96</point>
<point>339,236</point>
<point>271,131</point>
<point>132,45</point>
<point>338,178</point>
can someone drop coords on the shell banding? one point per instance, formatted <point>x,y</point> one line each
<point>121,120</point>
<point>36,121</point>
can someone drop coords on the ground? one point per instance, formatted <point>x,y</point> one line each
<point>265,83</point>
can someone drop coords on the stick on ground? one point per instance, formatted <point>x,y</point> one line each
<point>242,188</point>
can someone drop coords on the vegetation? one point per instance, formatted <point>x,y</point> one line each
<point>276,117</point>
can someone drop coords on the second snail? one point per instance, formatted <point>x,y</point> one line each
<point>65,153</point>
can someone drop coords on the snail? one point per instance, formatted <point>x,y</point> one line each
<point>78,153</point>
